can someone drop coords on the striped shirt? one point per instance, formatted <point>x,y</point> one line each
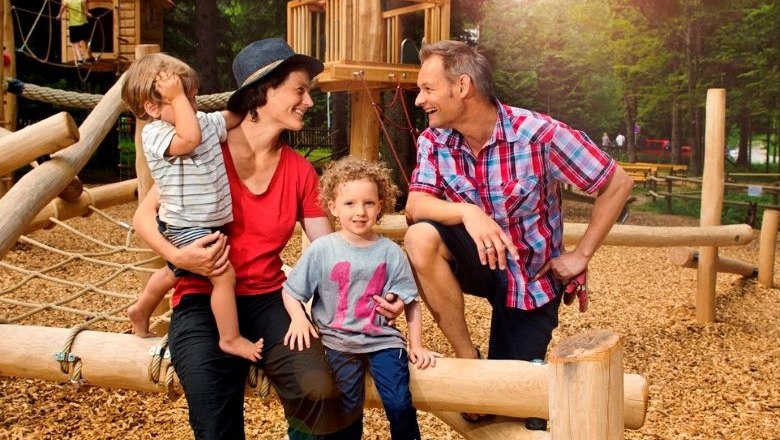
<point>194,189</point>
<point>516,179</point>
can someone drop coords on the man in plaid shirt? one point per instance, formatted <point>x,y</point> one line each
<point>485,205</point>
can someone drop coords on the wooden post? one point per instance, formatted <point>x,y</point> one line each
<point>145,181</point>
<point>8,107</point>
<point>364,134</point>
<point>711,200</point>
<point>367,29</point>
<point>686,257</point>
<point>766,247</point>
<point>586,387</point>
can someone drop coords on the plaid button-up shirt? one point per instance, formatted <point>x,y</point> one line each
<point>516,179</point>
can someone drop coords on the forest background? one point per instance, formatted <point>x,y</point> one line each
<point>597,65</point>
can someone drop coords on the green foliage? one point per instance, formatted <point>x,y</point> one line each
<point>731,214</point>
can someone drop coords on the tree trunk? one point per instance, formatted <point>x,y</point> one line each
<point>744,138</point>
<point>692,46</point>
<point>631,137</point>
<point>676,147</point>
<point>206,55</point>
<point>340,118</point>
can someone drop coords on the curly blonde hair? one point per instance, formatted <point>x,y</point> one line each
<point>349,169</point>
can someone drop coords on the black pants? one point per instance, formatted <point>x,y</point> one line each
<point>214,382</point>
<point>514,333</point>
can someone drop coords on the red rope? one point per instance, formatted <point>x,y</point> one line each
<point>379,117</point>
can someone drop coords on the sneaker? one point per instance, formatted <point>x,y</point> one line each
<point>79,62</point>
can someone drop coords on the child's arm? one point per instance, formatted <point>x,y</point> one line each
<point>231,119</point>
<point>188,133</point>
<point>418,355</point>
<point>61,14</point>
<point>300,326</point>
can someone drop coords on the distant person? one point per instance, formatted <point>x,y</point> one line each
<point>78,28</point>
<point>342,272</point>
<point>605,142</point>
<point>182,147</point>
<point>620,140</point>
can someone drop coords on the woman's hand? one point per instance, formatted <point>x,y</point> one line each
<point>207,256</point>
<point>299,334</point>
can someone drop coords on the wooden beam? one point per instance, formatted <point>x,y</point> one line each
<point>686,257</point>
<point>112,360</point>
<point>394,226</point>
<point>44,137</point>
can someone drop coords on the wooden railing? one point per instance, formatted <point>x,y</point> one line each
<point>334,30</point>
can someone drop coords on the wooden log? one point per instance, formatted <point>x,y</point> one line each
<point>45,137</point>
<point>102,197</point>
<point>686,257</point>
<point>142,172</point>
<point>394,226</point>
<point>467,385</point>
<point>711,200</point>
<point>113,360</point>
<point>586,389</point>
<point>766,247</point>
<point>38,187</point>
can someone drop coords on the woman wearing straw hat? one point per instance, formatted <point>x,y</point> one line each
<point>271,187</point>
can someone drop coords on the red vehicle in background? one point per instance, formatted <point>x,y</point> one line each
<point>661,148</point>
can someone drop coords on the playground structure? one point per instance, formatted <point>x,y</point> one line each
<point>584,371</point>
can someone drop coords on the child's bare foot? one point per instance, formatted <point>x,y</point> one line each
<point>140,321</point>
<point>242,347</point>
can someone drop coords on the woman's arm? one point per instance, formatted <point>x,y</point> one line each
<point>316,227</point>
<point>206,256</point>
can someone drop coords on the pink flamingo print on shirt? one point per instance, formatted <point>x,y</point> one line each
<point>364,306</point>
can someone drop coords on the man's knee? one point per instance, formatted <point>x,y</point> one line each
<point>422,243</point>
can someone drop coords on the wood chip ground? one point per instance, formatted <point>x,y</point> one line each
<point>711,381</point>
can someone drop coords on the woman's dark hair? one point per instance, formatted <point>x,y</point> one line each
<point>254,97</point>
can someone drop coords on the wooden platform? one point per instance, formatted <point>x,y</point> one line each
<point>346,75</point>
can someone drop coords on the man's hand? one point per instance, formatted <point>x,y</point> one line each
<point>390,307</point>
<point>564,267</point>
<point>492,242</point>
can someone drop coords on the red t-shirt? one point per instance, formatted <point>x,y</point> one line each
<point>262,224</point>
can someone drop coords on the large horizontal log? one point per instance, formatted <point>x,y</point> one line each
<point>45,137</point>
<point>110,360</point>
<point>394,226</point>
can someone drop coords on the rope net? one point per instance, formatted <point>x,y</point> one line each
<point>82,273</point>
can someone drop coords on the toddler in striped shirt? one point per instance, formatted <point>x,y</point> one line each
<point>182,148</point>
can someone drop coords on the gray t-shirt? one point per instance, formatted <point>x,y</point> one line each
<point>343,279</point>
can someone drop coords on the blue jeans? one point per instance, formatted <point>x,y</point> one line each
<point>390,371</point>
<point>214,382</point>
